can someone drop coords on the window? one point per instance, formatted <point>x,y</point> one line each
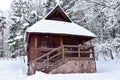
<point>43,44</point>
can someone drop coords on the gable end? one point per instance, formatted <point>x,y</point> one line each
<point>58,14</point>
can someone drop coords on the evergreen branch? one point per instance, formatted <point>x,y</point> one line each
<point>99,4</point>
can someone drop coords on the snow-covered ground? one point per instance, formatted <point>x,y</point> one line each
<point>15,69</point>
<point>12,69</point>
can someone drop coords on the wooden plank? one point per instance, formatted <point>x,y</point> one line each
<point>35,49</point>
<point>70,51</point>
<point>55,55</point>
<point>48,60</point>
<point>78,51</point>
<point>85,52</point>
<point>86,58</point>
<point>71,46</point>
<point>35,41</point>
<point>76,58</point>
<point>63,54</point>
<point>45,49</point>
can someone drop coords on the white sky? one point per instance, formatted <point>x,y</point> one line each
<point>5,4</point>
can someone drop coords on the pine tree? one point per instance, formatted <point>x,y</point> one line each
<point>74,10</point>
<point>3,25</point>
<point>49,5</point>
<point>23,16</point>
<point>68,5</point>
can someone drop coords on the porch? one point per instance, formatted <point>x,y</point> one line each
<point>50,59</point>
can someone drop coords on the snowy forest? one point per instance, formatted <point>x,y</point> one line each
<point>101,17</point>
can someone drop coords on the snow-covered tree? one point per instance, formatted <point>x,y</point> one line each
<point>48,5</point>
<point>3,26</point>
<point>99,16</point>
<point>106,19</point>
<point>102,17</point>
<point>23,16</point>
<point>38,5</point>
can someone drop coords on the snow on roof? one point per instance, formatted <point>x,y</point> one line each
<point>59,27</point>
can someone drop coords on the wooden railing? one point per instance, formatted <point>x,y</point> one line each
<point>44,60</point>
<point>78,51</point>
<point>82,51</point>
<point>48,54</point>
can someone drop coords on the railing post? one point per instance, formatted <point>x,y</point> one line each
<point>48,61</point>
<point>79,51</point>
<point>63,53</point>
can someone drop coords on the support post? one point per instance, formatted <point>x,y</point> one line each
<point>61,43</point>
<point>83,43</point>
<point>48,61</point>
<point>79,51</point>
<point>61,40</point>
<point>36,49</point>
<point>63,54</point>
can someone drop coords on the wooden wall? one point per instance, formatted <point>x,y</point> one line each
<point>53,41</point>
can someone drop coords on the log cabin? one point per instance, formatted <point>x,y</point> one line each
<point>55,44</point>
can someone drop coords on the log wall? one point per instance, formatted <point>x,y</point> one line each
<point>53,41</point>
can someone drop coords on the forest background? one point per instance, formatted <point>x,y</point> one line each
<point>102,17</point>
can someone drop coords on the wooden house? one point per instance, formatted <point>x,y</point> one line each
<point>57,45</point>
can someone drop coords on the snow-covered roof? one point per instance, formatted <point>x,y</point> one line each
<point>59,27</point>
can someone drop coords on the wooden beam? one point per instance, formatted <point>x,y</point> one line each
<point>36,50</point>
<point>61,40</point>
<point>83,43</point>
<point>70,51</point>
<point>78,51</point>
<point>55,55</point>
<point>63,54</point>
<point>35,41</point>
<point>71,46</point>
<point>61,44</point>
<point>45,49</point>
